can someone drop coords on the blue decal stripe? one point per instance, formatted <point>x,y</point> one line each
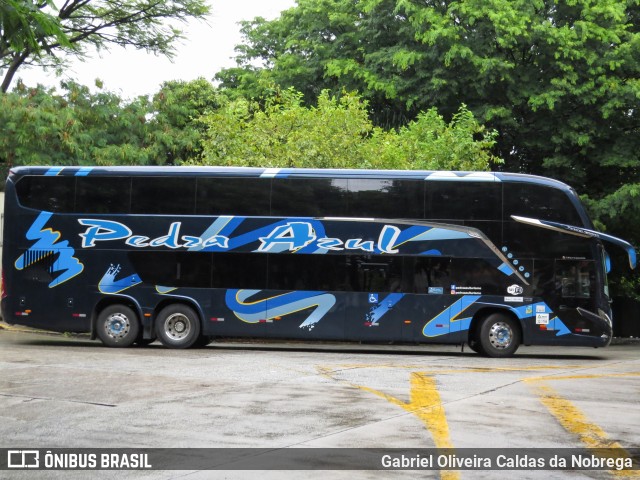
<point>506,269</point>
<point>52,172</point>
<point>84,171</point>
<point>448,317</point>
<point>560,327</point>
<point>47,240</point>
<point>280,305</point>
<point>385,305</point>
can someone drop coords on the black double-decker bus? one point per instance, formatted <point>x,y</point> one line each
<point>184,255</point>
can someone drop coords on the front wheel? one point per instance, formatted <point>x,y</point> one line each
<point>499,336</point>
<point>117,326</point>
<point>178,326</point>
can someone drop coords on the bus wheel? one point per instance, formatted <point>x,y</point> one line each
<point>178,326</point>
<point>117,326</point>
<point>499,336</point>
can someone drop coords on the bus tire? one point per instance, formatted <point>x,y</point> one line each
<point>117,326</point>
<point>499,336</point>
<point>178,326</point>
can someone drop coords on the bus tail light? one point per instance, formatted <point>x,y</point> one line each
<point>3,291</point>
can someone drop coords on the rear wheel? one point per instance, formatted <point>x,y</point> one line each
<point>499,335</point>
<point>178,326</point>
<point>117,326</point>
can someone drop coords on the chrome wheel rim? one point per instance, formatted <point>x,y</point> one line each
<point>177,326</point>
<point>500,335</point>
<point>117,326</point>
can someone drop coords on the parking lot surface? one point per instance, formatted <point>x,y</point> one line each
<point>62,392</point>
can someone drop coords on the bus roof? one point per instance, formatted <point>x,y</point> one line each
<point>288,173</point>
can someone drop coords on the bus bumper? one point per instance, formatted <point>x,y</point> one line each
<point>600,323</point>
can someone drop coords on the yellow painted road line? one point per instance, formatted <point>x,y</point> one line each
<point>426,404</point>
<point>575,422</point>
<point>583,377</point>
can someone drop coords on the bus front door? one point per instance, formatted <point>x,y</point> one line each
<point>574,283</point>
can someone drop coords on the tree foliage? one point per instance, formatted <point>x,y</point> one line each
<point>337,133</point>
<point>41,127</point>
<point>175,133</point>
<point>77,127</point>
<point>42,34</point>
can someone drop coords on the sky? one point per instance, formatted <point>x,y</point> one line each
<point>207,48</point>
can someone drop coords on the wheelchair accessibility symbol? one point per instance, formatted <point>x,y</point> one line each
<point>373,298</point>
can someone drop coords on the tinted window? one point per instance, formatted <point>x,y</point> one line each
<point>173,269</point>
<point>52,194</point>
<point>538,201</point>
<point>308,272</point>
<point>534,241</point>
<point>386,198</point>
<point>493,230</point>
<point>239,270</point>
<point>463,200</point>
<point>163,195</point>
<point>103,194</point>
<point>233,196</point>
<point>357,273</point>
<point>476,276</point>
<point>309,197</point>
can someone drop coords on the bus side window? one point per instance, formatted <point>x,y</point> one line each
<point>446,200</point>
<point>163,195</point>
<point>51,194</point>
<point>242,196</point>
<point>380,198</point>
<point>103,194</point>
<point>303,197</point>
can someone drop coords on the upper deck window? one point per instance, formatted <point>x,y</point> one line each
<point>315,197</point>
<point>451,200</point>
<point>51,194</point>
<point>381,198</point>
<point>245,196</point>
<point>163,195</point>
<point>539,201</point>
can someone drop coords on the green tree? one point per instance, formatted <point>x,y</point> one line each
<point>77,127</point>
<point>174,131</point>
<point>329,44</point>
<point>42,127</point>
<point>39,33</point>
<point>337,133</point>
